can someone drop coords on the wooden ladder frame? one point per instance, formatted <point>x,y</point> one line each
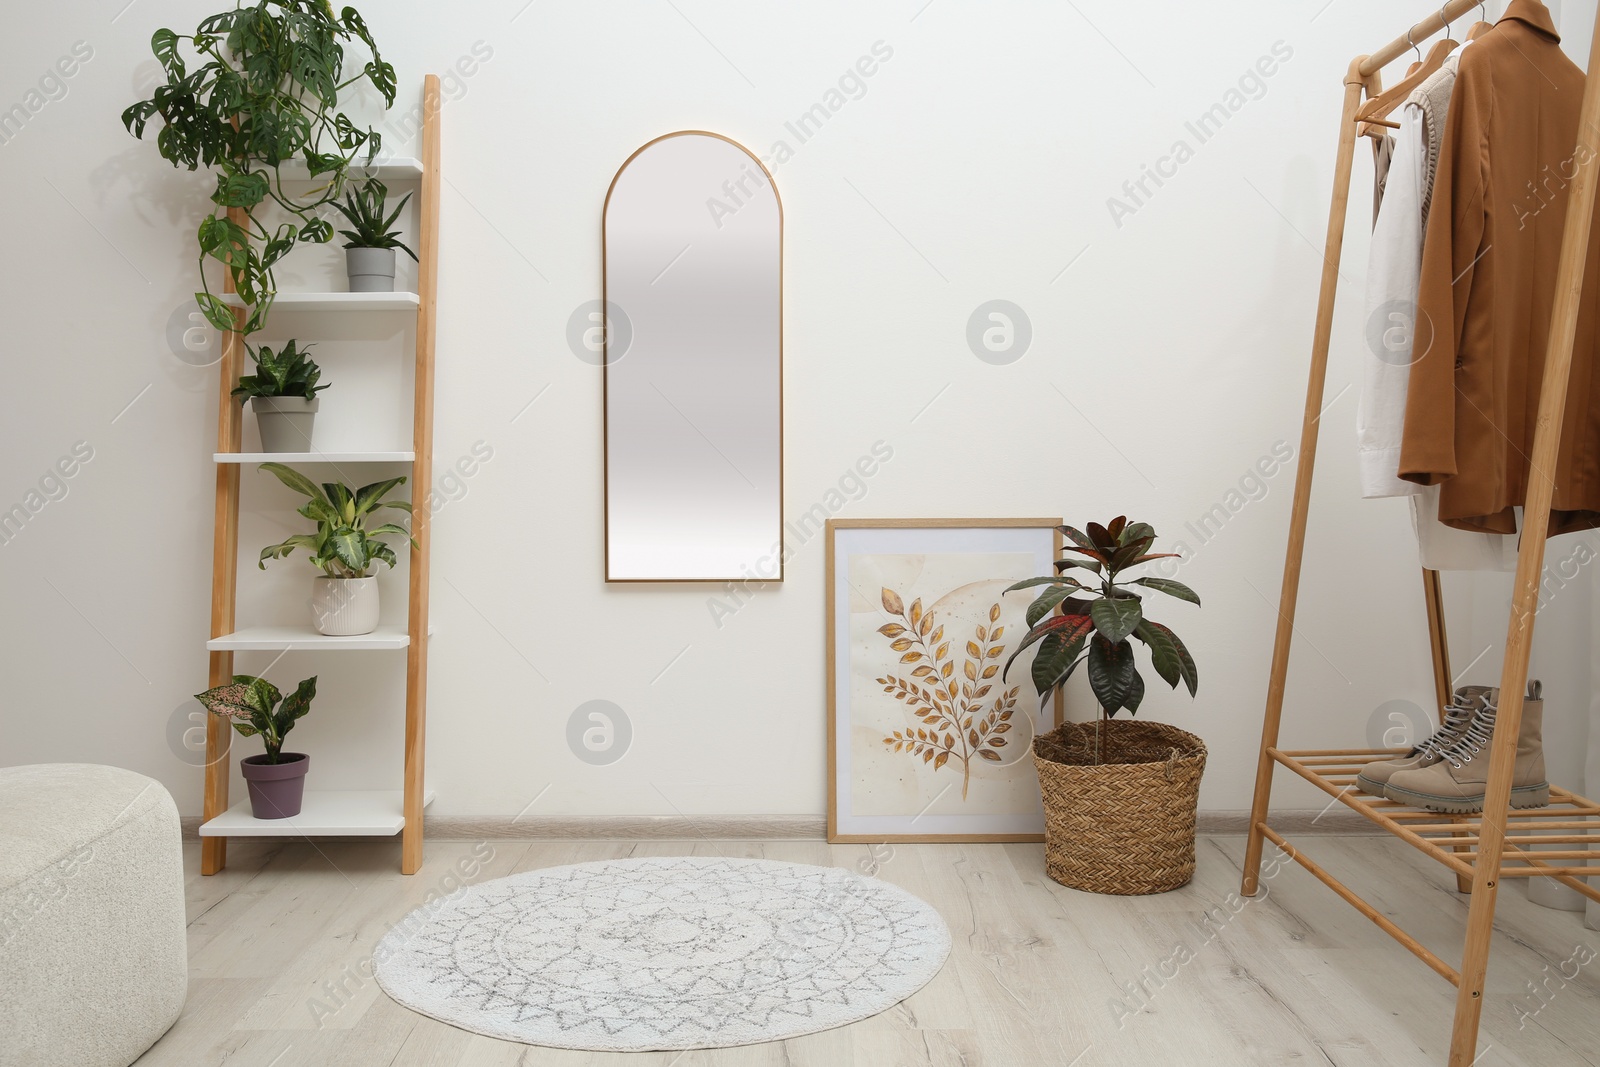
<point>225,545</point>
<point>1477,847</point>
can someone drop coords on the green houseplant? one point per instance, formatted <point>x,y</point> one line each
<point>283,394</point>
<point>1120,796</point>
<point>263,90</point>
<point>370,244</point>
<point>345,547</point>
<point>256,708</point>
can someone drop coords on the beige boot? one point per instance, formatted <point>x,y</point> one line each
<point>1458,715</point>
<point>1459,781</point>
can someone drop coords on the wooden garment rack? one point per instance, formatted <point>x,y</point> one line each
<point>1476,848</point>
<point>349,813</point>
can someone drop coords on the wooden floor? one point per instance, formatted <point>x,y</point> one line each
<point>279,945</point>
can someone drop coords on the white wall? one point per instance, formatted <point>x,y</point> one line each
<point>1168,358</point>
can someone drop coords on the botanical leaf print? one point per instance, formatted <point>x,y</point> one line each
<point>960,723</point>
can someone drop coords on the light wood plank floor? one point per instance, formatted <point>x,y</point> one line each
<point>279,947</point>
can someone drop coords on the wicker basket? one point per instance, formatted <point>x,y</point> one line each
<point>1125,825</point>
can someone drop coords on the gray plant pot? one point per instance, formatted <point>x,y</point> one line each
<point>371,269</point>
<point>285,422</point>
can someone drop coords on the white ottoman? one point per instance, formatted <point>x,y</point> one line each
<point>93,962</point>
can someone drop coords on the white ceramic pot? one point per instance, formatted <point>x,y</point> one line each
<point>371,270</point>
<point>345,607</point>
<point>285,422</point>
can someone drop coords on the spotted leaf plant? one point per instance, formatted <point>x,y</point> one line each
<point>1094,622</point>
<point>960,721</point>
<point>256,708</point>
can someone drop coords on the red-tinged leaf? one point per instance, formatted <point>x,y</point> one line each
<point>1070,627</point>
<point>1116,525</point>
<point>1103,539</point>
<point>1147,557</point>
<point>1092,553</point>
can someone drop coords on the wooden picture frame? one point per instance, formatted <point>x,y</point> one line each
<point>942,546</point>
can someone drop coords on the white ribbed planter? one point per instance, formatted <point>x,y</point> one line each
<point>344,607</point>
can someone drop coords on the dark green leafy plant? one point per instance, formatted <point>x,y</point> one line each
<point>265,91</point>
<point>287,372</point>
<point>1095,627</point>
<point>363,208</point>
<point>251,705</point>
<point>344,546</point>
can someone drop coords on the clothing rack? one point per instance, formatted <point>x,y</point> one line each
<point>1475,848</point>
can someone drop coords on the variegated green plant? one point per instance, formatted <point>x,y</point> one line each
<point>344,545</point>
<point>1095,623</point>
<point>252,705</point>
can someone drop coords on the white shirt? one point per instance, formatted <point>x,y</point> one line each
<point>1394,272</point>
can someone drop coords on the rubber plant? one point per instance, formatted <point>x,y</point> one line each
<point>1094,624</point>
<point>252,705</point>
<point>264,90</point>
<point>344,545</point>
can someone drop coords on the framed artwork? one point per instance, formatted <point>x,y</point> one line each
<point>929,737</point>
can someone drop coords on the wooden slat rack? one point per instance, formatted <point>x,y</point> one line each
<point>1503,842</point>
<point>334,812</point>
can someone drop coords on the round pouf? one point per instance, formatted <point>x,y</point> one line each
<point>93,961</point>
<point>665,953</point>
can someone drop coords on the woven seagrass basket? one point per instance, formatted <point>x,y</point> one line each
<point>1124,825</point>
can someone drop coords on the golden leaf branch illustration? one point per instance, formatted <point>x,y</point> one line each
<point>956,727</point>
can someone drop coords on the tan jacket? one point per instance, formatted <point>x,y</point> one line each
<point>1488,278</point>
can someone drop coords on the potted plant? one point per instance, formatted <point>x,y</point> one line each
<point>283,394</point>
<point>344,600</point>
<point>1119,796</point>
<point>369,249</point>
<point>277,779</point>
<point>264,90</point>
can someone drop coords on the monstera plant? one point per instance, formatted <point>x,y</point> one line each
<point>248,91</point>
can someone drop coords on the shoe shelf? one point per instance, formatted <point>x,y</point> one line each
<point>1451,839</point>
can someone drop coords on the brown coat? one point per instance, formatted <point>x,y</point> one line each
<point>1488,280</point>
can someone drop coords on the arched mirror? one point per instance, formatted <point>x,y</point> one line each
<point>693,365</point>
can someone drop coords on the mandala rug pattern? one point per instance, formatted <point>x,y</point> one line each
<point>663,953</point>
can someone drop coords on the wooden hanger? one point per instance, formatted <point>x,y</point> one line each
<point>1480,27</point>
<point>1372,114</point>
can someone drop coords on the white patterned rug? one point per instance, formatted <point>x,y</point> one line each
<point>665,953</point>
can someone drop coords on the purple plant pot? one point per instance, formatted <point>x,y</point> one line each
<point>276,789</point>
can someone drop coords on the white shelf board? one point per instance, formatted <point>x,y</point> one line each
<point>314,457</point>
<point>304,638</point>
<point>384,168</point>
<point>323,812</point>
<point>337,301</point>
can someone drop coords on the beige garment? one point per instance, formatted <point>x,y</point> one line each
<point>1488,274</point>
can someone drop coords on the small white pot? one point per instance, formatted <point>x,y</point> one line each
<point>345,607</point>
<point>371,270</point>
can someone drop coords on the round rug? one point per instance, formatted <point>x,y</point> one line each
<point>664,953</point>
